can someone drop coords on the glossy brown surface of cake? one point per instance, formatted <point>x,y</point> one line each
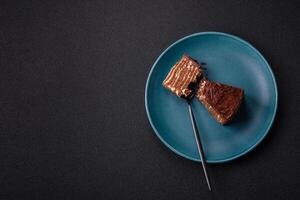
<point>182,74</point>
<point>222,101</point>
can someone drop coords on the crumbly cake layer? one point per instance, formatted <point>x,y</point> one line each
<point>182,74</point>
<point>222,101</point>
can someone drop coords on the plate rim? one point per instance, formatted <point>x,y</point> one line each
<point>245,43</point>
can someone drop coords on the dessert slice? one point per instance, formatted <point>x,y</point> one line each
<point>222,101</point>
<point>183,75</point>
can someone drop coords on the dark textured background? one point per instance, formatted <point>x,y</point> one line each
<point>72,117</point>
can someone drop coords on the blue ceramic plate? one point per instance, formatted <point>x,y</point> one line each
<point>232,61</point>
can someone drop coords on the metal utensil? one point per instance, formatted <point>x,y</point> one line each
<point>194,86</point>
<point>199,144</point>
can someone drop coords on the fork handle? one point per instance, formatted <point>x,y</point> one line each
<point>199,145</point>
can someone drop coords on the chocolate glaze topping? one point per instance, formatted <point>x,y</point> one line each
<point>186,78</point>
<point>222,101</point>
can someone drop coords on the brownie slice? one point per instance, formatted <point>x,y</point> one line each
<point>182,75</point>
<point>222,101</point>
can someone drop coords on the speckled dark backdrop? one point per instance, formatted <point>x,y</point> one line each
<point>72,117</point>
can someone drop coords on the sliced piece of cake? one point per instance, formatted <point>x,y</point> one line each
<point>222,101</point>
<point>182,75</point>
